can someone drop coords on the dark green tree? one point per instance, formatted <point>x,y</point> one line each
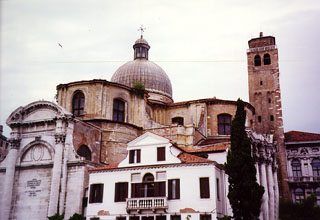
<point>245,193</point>
<point>77,216</point>
<point>57,216</point>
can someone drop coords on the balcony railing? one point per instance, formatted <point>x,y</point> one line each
<point>301,179</point>
<point>151,203</point>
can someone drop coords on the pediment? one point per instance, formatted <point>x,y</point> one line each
<point>148,139</point>
<point>37,111</point>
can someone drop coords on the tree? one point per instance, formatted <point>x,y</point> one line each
<point>77,216</point>
<point>57,216</point>
<point>307,209</point>
<point>245,193</point>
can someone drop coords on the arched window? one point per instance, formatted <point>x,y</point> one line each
<point>148,185</point>
<point>118,110</point>
<point>78,104</point>
<point>266,59</point>
<point>224,124</point>
<point>84,151</point>
<point>257,60</point>
<point>299,194</point>
<point>296,168</point>
<point>177,120</point>
<point>316,167</point>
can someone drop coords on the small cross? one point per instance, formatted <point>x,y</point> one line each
<point>142,30</point>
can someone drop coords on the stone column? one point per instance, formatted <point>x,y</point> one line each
<point>265,199</point>
<point>56,174</point>
<point>276,194</point>
<point>259,182</point>
<point>270,190</point>
<point>9,178</point>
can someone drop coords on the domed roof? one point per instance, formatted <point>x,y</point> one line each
<point>148,73</point>
<point>152,76</point>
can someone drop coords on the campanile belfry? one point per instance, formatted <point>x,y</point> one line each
<point>265,96</point>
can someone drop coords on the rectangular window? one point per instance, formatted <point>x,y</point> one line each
<point>204,188</point>
<point>161,153</point>
<point>205,217</point>
<point>134,218</point>
<point>259,118</point>
<point>96,193</point>
<point>134,156</point>
<point>175,217</point>
<point>95,218</point>
<point>174,189</point>
<point>218,189</point>
<point>271,118</point>
<point>120,218</point>
<point>161,217</point>
<point>121,192</point>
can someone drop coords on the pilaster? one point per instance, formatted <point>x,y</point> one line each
<point>9,178</point>
<point>56,174</point>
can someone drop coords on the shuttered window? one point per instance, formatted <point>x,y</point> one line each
<point>96,193</point>
<point>174,189</point>
<point>161,154</point>
<point>205,217</point>
<point>161,217</point>
<point>121,192</point>
<point>175,217</point>
<point>204,188</point>
<point>134,156</point>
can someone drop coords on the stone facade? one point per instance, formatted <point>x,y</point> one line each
<point>303,155</point>
<point>4,145</point>
<point>43,174</point>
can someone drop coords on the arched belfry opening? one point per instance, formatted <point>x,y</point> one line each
<point>84,151</point>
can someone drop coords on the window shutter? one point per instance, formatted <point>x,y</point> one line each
<point>177,188</point>
<point>161,154</point>
<point>169,189</point>
<point>131,156</point>
<point>116,192</point>
<point>162,188</point>
<point>133,190</point>
<point>138,156</point>
<point>100,193</point>
<point>204,188</point>
<point>91,194</point>
<point>126,186</point>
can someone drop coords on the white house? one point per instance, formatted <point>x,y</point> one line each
<point>158,181</point>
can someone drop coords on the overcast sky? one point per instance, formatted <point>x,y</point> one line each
<point>201,44</point>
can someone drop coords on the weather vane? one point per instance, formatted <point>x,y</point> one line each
<point>142,30</point>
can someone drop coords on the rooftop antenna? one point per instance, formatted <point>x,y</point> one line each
<point>141,29</point>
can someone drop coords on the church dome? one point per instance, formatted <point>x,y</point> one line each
<point>152,76</point>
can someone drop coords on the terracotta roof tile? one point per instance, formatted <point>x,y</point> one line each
<point>188,158</point>
<point>301,136</point>
<point>215,148</point>
<point>111,166</point>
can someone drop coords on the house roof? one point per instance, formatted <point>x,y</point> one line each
<point>183,157</point>
<point>188,158</point>
<point>214,148</point>
<point>292,136</point>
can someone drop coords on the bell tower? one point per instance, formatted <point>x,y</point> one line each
<point>265,96</point>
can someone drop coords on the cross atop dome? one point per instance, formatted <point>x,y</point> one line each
<point>141,29</point>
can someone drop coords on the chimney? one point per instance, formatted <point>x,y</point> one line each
<point>261,34</point>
